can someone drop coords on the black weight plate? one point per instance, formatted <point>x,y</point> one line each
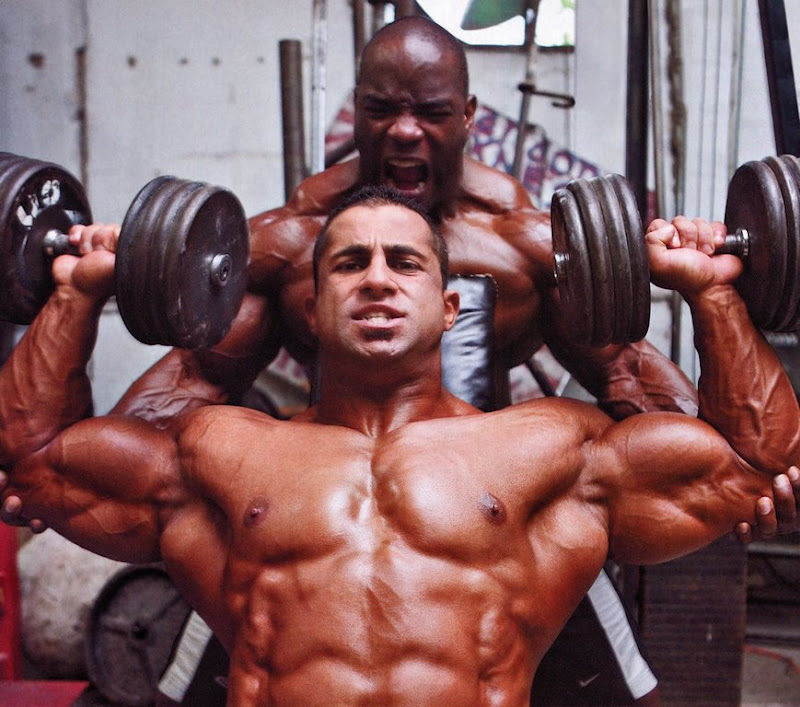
<point>204,307</point>
<point>184,226</point>
<point>755,203</point>
<point>595,232</point>
<point>787,298</point>
<point>637,252</point>
<point>130,633</point>
<point>573,271</point>
<point>617,241</point>
<point>35,196</point>
<point>791,166</point>
<point>140,266</point>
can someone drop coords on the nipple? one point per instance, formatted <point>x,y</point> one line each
<point>255,511</point>
<point>492,507</point>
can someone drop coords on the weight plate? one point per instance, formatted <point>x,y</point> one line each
<point>791,170</point>
<point>639,267</point>
<point>197,240</point>
<point>755,203</point>
<point>617,241</point>
<point>786,298</point>
<point>140,265</point>
<point>131,632</point>
<point>572,269</point>
<point>595,232</point>
<point>35,196</point>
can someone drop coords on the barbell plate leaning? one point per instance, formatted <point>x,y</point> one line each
<point>755,203</point>
<point>572,269</point>
<point>617,241</point>
<point>595,233</point>
<point>197,243</point>
<point>787,169</point>
<point>35,196</point>
<point>638,267</point>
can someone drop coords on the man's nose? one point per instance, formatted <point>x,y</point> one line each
<point>378,276</point>
<point>405,128</point>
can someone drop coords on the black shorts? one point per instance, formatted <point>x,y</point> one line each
<point>596,659</point>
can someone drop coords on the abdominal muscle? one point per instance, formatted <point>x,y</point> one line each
<point>386,627</point>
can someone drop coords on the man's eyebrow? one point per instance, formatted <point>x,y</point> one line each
<point>392,250</point>
<point>353,249</point>
<point>403,250</point>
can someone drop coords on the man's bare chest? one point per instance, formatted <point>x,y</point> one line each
<point>335,490</point>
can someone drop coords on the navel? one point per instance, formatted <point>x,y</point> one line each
<point>492,507</point>
<point>256,511</point>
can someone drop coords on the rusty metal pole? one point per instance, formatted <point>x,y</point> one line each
<point>359,32</point>
<point>404,8</point>
<point>319,51</point>
<point>294,136</point>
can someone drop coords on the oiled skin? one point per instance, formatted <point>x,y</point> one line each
<point>393,545</point>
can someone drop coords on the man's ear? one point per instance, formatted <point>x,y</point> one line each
<point>311,313</point>
<point>469,111</point>
<point>452,302</point>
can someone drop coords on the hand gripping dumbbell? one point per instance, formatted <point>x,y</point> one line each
<point>181,259</point>
<point>600,258</point>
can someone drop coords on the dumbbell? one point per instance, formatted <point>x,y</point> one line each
<point>600,258</point>
<point>181,259</point>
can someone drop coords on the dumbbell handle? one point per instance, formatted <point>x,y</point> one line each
<point>736,244</point>
<point>57,243</point>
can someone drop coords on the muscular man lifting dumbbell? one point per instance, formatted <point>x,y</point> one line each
<point>402,547</point>
<point>413,117</point>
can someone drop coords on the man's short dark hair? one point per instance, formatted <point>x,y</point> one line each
<point>373,195</point>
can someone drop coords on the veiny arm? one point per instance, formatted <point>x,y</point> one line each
<point>690,481</point>
<point>186,380</point>
<point>101,482</point>
<point>625,379</point>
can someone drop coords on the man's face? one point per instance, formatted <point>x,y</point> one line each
<point>412,120</point>
<point>379,293</point>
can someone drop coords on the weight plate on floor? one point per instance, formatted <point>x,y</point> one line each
<point>755,203</point>
<point>573,272</point>
<point>131,632</point>
<point>35,196</point>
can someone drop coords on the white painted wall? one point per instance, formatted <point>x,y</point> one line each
<point>191,87</point>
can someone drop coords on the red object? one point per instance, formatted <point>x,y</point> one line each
<point>37,693</point>
<point>10,612</point>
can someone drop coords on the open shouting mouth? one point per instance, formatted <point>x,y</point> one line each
<point>407,175</point>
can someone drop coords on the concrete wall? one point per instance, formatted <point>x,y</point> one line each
<point>120,91</point>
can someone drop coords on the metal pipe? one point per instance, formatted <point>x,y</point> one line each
<point>527,87</point>
<point>359,32</point>
<point>294,138</point>
<point>404,8</point>
<point>637,98</point>
<point>319,50</point>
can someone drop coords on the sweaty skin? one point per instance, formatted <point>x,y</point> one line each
<point>394,545</point>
